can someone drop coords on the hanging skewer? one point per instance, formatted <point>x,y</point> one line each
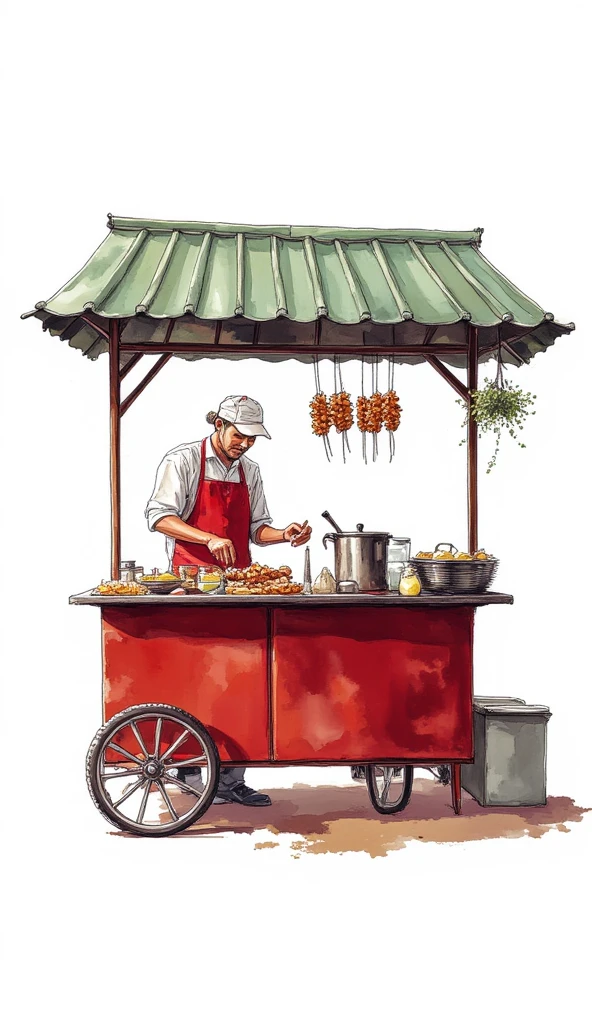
<point>320,412</point>
<point>335,403</point>
<point>341,407</point>
<point>391,409</point>
<point>342,390</point>
<point>374,442</point>
<point>375,409</point>
<point>388,389</point>
<point>375,455</point>
<point>362,409</point>
<point>391,380</point>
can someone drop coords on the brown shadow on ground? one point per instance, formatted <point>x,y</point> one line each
<point>340,819</point>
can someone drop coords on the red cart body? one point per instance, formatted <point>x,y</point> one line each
<point>294,684</point>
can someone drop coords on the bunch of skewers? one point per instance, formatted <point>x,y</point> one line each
<point>373,412</point>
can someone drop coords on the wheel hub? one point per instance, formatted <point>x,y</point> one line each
<point>153,769</point>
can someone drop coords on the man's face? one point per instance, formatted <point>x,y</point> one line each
<point>233,443</point>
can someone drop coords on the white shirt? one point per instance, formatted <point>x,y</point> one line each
<point>177,478</point>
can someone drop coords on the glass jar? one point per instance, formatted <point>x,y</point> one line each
<point>394,571</point>
<point>399,549</point>
<point>189,574</point>
<point>129,572</point>
<point>209,578</point>
<point>410,585</point>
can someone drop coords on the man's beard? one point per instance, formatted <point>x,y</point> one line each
<point>229,453</point>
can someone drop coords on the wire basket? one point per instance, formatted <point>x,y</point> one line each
<point>452,576</point>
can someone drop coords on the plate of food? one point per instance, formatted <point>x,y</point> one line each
<point>257,580</point>
<point>119,588</point>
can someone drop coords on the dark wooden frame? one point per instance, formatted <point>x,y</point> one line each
<point>115,445</point>
<point>428,351</point>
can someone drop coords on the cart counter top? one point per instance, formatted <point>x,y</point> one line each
<point>310,601</point>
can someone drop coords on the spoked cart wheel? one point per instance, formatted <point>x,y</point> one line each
<point>130,770</point>
<point>389,787</point>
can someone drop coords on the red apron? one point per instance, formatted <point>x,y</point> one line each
<point>223,509</point>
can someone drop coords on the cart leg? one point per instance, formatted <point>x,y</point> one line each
<point>456,790</point>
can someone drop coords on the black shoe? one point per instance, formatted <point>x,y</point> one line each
<point>242,794</point>
<point>443,774</point>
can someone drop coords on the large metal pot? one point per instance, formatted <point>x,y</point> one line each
<point>361,557</point>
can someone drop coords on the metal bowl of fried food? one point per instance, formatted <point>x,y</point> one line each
<point>164,583</point>
<point>445,570</point>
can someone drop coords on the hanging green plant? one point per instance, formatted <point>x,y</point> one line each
<point>499,406</point>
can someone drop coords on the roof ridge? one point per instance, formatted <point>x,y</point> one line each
<point>294,231</point>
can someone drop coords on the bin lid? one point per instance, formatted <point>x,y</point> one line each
<point>498,700</point>
<point>503,710</point>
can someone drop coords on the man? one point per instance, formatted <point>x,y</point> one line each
<point>209,503</point>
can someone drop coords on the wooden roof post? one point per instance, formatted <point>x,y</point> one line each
<point>115,447</point>
<point>472,432</point>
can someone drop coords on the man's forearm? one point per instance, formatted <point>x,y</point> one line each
<point>173,526</point>
<point>268,535</point>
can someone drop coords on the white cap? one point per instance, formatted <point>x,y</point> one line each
<point>245,414</point>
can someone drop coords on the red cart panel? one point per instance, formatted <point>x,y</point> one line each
<point>372,683</point>
<point>205,661</point>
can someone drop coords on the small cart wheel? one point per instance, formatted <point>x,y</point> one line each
<point>130,764</point>
<point>389,787</point>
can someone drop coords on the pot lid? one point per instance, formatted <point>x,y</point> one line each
<point>360,533</point>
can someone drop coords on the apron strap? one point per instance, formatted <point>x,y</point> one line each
<point>202,468</point>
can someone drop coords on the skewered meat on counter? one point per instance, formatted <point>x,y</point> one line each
<point>261,579</point>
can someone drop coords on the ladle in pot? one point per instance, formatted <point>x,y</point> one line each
<point>330,519</point>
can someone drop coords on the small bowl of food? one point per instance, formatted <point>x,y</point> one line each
<point>160,582</point>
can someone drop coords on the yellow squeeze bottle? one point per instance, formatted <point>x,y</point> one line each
<point>409,584</point>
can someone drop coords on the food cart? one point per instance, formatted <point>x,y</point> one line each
<point>204,680</point>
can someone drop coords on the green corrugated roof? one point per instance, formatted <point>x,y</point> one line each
<point>164,269</point>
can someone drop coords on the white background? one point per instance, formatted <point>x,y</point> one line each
<point>438,116</point>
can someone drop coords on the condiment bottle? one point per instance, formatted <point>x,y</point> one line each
<point>307,588</point>
<point>409,584</point>
<point>127,571</point>
<point>325,582</point>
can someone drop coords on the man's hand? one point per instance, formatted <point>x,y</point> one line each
<point>223,550</point>
<point>298,533</point>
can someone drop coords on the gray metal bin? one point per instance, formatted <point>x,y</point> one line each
<point>510,766</point>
